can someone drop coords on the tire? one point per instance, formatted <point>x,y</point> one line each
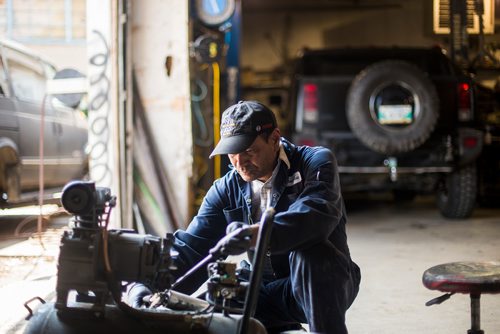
<point>13,183</point>
<point>392,107</point>
<point>456,197</point>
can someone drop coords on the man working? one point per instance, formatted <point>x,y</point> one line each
<point>309,276</point>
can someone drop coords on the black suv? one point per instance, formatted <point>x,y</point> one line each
<point>400,119</point>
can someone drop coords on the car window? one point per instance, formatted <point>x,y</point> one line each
<point>50,70</point>
<point>28,84</point>
<point>27,76</point>
<point>3,81</point>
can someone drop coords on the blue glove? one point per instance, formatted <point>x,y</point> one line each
<point>138,294</point>
<point>236,242</point>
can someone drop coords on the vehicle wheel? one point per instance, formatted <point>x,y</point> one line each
<point>13,183</point>
<point>456,196</point>
<point>392,107</point>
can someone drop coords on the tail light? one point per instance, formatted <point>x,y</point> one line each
<point>464,102</point>
<point>310,102</point>
<point>470,142</point>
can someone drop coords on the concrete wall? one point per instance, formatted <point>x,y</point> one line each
<point>160,29</point>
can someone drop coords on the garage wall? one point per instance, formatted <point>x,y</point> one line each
<point>266,37</point>
<point>160,29</point>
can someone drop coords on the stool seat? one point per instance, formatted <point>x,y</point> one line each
<point>474,278</point>
<point>464,277</point>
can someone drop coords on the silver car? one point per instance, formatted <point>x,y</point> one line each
<point>24,108</point>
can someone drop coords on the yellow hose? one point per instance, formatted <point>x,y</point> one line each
<point>216,101</point>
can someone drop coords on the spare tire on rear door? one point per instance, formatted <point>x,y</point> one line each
<point>392,107</point>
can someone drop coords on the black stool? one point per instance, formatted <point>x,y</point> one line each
<point>473,278</point>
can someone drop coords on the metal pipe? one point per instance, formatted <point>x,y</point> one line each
<point>266,224</point>
<point>200,264</point>
<point>475,313</point>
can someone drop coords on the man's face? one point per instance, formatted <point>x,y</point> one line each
<point>258,161</point>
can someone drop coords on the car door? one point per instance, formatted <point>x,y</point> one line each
<point>72,140</point>
<point>72,133</point>
<point>9,127</point>
<point>28,85</point>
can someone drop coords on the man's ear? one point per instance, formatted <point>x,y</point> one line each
<point>275,136</point>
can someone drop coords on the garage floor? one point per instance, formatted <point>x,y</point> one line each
<point>393,244</point>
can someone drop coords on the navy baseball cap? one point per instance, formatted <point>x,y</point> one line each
<point>241,124</point>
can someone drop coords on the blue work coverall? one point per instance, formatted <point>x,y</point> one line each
<point>314,280</point>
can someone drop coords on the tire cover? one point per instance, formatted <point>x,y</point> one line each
<point>363,110</point>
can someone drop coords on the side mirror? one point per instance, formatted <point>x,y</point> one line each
<point>68,86</point>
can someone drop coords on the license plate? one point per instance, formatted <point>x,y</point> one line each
<point>395,114</point>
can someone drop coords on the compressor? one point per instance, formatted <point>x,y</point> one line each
<point>96,265</point>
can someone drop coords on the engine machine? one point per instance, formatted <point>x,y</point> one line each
<point>97,264</point>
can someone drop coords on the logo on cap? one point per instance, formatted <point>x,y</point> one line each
<point>227,129</point>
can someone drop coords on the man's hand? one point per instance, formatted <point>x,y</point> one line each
<point>236,242</point>
<point>136,294</point>
<point>234,226</point>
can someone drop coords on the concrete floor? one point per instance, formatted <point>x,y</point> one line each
<point>27,265</point>
<point>393,244</point>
